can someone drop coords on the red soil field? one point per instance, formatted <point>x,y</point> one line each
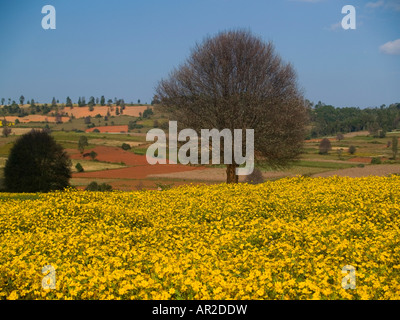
<point>365,159</point>
<point>112,129</point>
<point>35,118</point>
<point>138,167</point>
<point>79,112</point>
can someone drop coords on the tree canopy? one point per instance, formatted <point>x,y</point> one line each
<point>37,164</point>
<point>236,81</point>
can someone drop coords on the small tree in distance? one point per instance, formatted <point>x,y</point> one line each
<point>93,155</point>
<point>82,143</point>
<point>79,167</point>
<point>325,146</point>
<point>6,131</point>
<point>352,149</point>
<point>339,136</point>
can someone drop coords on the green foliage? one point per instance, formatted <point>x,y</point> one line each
<point>133,125</point>
<point>37,164</point>
<point>68,102</point>
<point>376,160</point>
<point>352,150</point>
<point>79,167</point>
<point>92,155</point>
<point>82,143</point>
<point>94,186</point>
<point>147,113</point>
<point>126,146</point>
<point>329,120</point>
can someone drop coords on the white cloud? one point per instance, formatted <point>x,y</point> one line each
<point>391,47</point>
<point>335,26</point>
<point>375,4</point>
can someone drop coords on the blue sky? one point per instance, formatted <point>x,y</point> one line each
<point>122,48</point>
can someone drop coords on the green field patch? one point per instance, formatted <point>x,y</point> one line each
<point>92,165</point>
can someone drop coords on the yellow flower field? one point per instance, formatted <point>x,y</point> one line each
<point>287,239</point>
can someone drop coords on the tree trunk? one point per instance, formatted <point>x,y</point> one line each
<point>231,176</point>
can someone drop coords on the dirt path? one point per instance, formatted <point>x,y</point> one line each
<point>213,174</point>
<point>374,170</point>
<point>350,161</point>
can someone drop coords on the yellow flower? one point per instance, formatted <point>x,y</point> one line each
<point>13,295</point>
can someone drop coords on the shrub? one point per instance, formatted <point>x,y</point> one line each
<point>325,146</point>
<point>133,125</point>
<point>255,177</point>
<point>79,167</point>
<point>376,160</point>
<point>6,131</point>
<point>37,164</point>
<point>94,186</point>
<point>93,155</point>
<point>147,113</point>
<point>126,146</point>
<point>339,136</point>
<point>96,130</point>
<point>352,149</point>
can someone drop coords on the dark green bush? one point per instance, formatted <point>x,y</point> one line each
<point>352,149</point>
<point>126,146</point>
<point>376,160</point>
<point>94,186</point>
<point>37,163</point>
<point>79,167</point>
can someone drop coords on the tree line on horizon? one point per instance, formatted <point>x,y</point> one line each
<point>328,120</point>
<point>13,108</point>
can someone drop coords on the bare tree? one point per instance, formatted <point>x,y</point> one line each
<point>325,146</point>
<point>6,131</point>
<point>339,136</point>
<point>236,81</point>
